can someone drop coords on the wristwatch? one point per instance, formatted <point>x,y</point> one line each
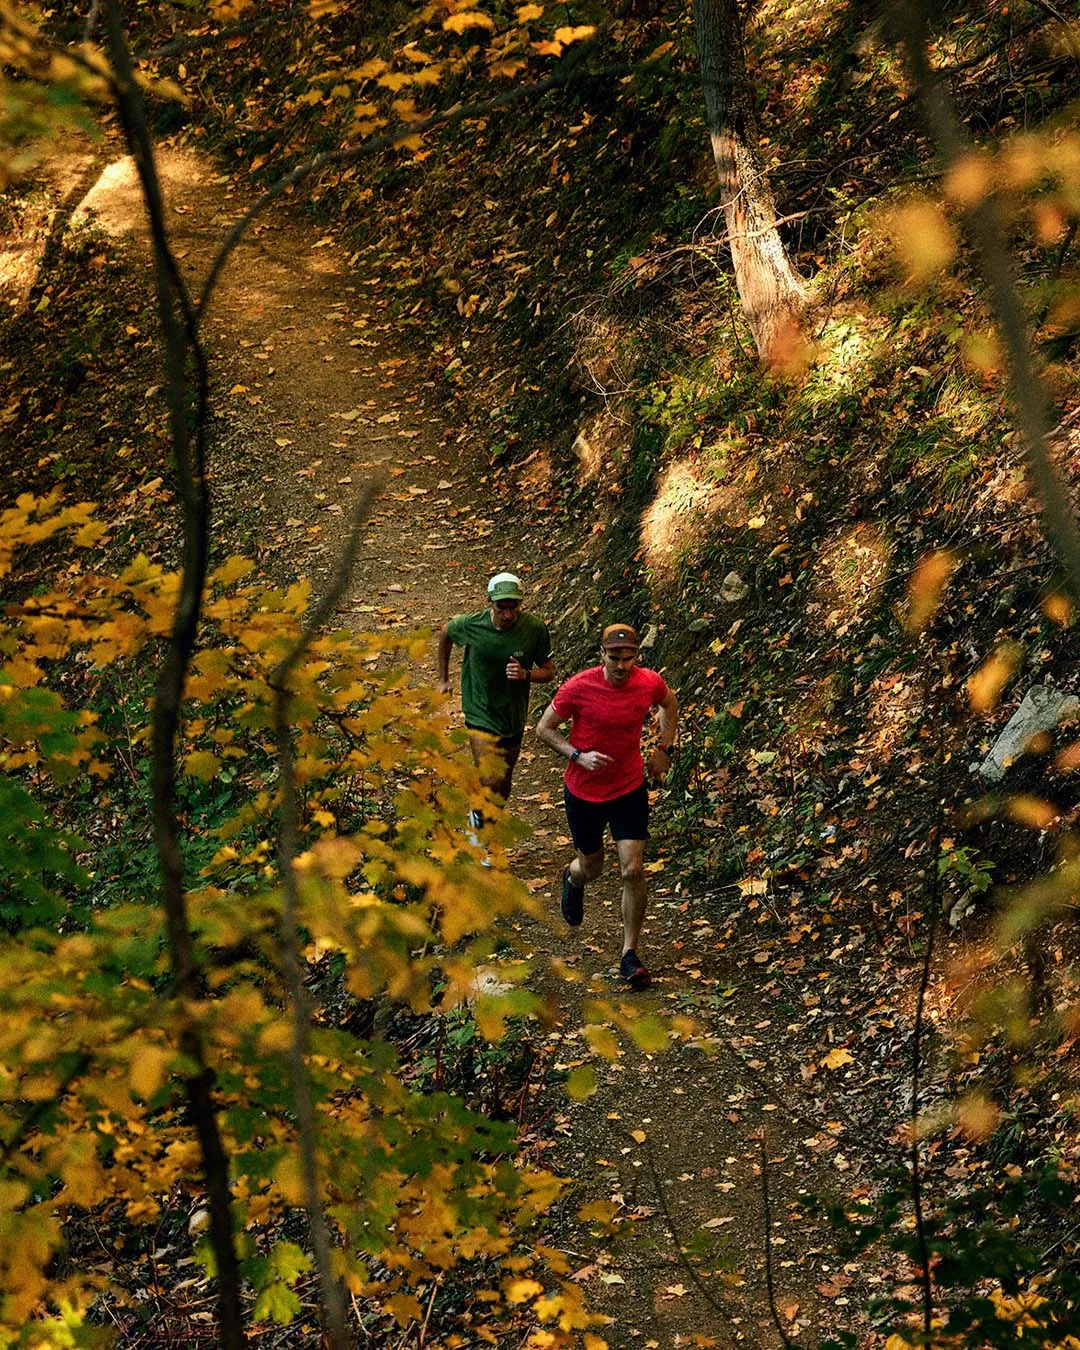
<point>575,757</point>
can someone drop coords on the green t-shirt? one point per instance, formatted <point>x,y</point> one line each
<point>489,700</point>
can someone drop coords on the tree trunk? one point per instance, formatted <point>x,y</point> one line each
<point>772,292</point>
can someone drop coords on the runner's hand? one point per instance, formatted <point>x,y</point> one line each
<point>515,670</point>
<point>444,686</point>
<point>659,763</point>
<point>593,760</point>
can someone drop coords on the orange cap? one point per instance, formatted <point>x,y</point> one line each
<point>620,635</point>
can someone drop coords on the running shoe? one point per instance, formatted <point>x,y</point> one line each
<point>573,900</point>
<point>633,972</point>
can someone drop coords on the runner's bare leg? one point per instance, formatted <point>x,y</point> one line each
<point>632,871</point>
<point>586,867</point>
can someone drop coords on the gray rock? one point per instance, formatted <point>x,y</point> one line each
<point>1042,709</point>
<point>649,640</point>
<point>733,588</point>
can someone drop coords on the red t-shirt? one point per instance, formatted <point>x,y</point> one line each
<point>609,719</point>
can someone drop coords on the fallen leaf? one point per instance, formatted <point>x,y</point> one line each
<point>837,1058</point>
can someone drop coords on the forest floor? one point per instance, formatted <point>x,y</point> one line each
<point>313,393</point>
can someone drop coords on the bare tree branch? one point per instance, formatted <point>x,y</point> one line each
<point>333,1294</point>
<point>984,223</point>
<point>933,890</point>
<point>180,342</point>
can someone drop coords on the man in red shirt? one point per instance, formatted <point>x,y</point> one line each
<point>607,707</point>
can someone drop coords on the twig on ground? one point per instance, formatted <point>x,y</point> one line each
<point>788,1341</point>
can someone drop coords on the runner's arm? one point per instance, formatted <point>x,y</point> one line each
<point>543,674</point>
<point>442,661</point>
<point>548,731</point>
<point>660,760</point>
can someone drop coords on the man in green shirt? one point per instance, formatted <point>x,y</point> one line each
<point>506,651</point>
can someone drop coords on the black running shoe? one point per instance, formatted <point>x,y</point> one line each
<point>573,900</point>
<point>633,972</point>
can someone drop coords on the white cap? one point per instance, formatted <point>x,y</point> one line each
<point>505,586</point>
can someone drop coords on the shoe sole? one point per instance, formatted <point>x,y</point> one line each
<point>641,979</point>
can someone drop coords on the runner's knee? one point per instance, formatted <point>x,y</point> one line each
<point>632,871</point>
<point>591,864</point>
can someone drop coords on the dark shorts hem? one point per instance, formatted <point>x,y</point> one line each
<point>627,817</point>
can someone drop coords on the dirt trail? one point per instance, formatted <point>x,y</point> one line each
<point>312,393</point>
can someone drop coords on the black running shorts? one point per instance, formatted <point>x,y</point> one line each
<point>627,817</point>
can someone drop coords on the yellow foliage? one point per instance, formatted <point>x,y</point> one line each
<point>985,686</point>
<point>926,589</point>
<point>391,895</point>
<point>576,34</point>
<point>924,238</point>
<point>466,19</point>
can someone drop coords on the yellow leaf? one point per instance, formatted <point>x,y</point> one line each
<point>404,1308</point>
<point>275,1038</point>
<point>602,1042</point>
<point>755,523</point>
<point>508,69</point>
<point>977,1116</point>
<point>985,686</point>
<point>289,1180</point>
<point>231,570</point>
<point>580,1083</point>
<point>490,1015</point>
<point>649,1034</point>
<point>1058,608</point>
<point>517,1291</point>
<point>925,240</point>
<point>1032,811</point>
<point>578,34</point>
<point>202,764</point>
<point>969,179</point>
<point>148,1068</point>
<point>395,80</point>
<point>375,66</point>
<point>927,586</point>
<point>525,13</point>
<point>470,18</point>
<point>837,1058</point>
<point>639,1135</point>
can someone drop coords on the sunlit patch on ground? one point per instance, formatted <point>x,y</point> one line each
<point>849,573</point>
<point>844,352</point>
<point>893,712</point>
<point>602,441</point>
<point>676,519</point>
<point>115,202</point>
<point>17,270</point>
<point>534,478</point>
